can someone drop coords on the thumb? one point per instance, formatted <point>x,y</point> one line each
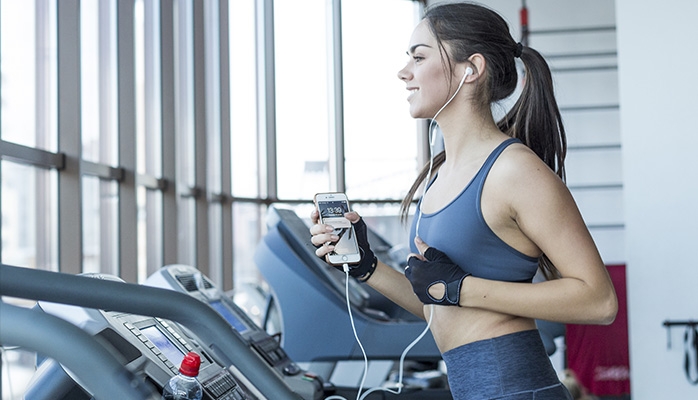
<point>352,216</point>
<point>421,246</point>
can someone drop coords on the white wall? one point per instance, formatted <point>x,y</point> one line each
<point>594,166</point>
<point>658,59</point>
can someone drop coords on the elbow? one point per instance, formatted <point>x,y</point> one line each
<point>607,310</point>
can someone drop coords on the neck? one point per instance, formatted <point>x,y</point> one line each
<point>468,134</point>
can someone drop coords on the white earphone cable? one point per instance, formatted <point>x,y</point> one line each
<point>399,385</point>
<point>468,71</point>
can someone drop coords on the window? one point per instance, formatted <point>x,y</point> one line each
<point>380,136</point>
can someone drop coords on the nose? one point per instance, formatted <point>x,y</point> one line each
<point>404,74</point>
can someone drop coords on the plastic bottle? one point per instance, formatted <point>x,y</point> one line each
<point>184,385</point>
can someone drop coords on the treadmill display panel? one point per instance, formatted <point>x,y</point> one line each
<point>224,311</point>
<point>164,344</point>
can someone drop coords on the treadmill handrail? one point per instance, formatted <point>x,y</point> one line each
<point>211,328</point>
<point>100,372</point>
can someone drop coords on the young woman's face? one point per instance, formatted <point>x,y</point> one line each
<point>424,74</point>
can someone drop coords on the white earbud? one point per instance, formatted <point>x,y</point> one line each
<point>468,72</point>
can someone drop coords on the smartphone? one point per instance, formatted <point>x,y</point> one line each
<point>332,207</point>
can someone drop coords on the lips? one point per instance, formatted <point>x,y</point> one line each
<point>412,91</point>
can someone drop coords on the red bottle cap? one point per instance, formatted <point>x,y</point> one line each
<point>190,364</point>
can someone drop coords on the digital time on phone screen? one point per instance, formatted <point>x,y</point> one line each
<point>332,213</point>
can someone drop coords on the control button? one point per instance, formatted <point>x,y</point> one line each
<point>345,258</point>
<point>291,369</point>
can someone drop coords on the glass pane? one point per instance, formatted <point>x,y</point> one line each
<point>380,136</point>
<point>184,92</point>
<point>215,243</point>
<point>18,369</point>
<point>29,217</point>
<point>302,105</point>
<point>100,226</point>
<point>243,99</point>
<point>186,234</point>
<point>384,220</point>
<point>28,70</point>
<point>99,81</point>
<point>248,228</point>
<point>150,256</point>
<point>148,83</point>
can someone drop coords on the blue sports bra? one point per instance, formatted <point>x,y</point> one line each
<point>460,231</point>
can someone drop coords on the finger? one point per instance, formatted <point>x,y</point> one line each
<point>315,216</point>
<point>323,239</point>
<point>421,246</point>
<point>416,261</point>
<point>323,250</point>
<point>418,256</point>
<point>352,216</point>
<point>320,229</point>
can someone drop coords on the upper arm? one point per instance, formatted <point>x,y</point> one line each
<point>546,213</point>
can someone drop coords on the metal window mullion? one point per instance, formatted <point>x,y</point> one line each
<point>45,233</point>
<point>215,196</point>
<point>184,131</point>
<point>152,109</point>
<point>30,155</point>
<point>336,98</point>
<point>200,139</point>
<point>69,179</point>
<point>126,89</point>
<point>225,148</point>
<point>108,244</point>
<point>167,98</point>
<point>266,99</point>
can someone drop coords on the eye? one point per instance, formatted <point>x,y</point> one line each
<point>417,58</point>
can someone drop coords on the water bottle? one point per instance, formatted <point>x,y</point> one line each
<point>184,385</point>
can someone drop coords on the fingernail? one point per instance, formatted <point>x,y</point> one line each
<point>329,229</point>
<point>418,239</point>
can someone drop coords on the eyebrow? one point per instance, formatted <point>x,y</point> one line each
<point>413,48</point>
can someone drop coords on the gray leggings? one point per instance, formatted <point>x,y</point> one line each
<point>509,367</point>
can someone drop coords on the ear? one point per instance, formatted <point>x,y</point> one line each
<point>478,63</point>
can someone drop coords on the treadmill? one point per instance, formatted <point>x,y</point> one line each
<point>146,329</point>
<point>189,280</point>
<point>311,299</point>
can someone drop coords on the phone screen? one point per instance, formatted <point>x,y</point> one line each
<point>332,213</point>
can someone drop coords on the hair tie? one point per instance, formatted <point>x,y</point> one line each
<point>519,50</point>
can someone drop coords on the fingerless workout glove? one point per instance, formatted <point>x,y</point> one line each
<point>438,269</point>
<point>368,263</point>
<point>364,269</point>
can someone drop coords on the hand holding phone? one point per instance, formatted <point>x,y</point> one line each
<point>331,208</point>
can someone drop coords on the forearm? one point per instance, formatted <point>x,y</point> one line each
<point>393,285</point>
<point>566,300</point>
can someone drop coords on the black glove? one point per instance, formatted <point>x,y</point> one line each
<point>438,269</point>
<point>364,269</point>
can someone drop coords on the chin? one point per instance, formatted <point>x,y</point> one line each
<point>418,114</point>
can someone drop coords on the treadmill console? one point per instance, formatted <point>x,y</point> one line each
<point>151,348</point>
<point>189,280</point>
<point>165,344</point>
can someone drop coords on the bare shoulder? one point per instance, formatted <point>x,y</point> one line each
<point>519,167</point>
<point>525,185</point>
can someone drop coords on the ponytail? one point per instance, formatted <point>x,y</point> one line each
<point>535,118</point>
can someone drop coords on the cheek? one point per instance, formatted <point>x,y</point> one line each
<point>433,86</point>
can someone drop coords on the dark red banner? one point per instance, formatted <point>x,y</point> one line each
<point>598,355</point>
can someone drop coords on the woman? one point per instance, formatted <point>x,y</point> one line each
<point>496,210</point>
